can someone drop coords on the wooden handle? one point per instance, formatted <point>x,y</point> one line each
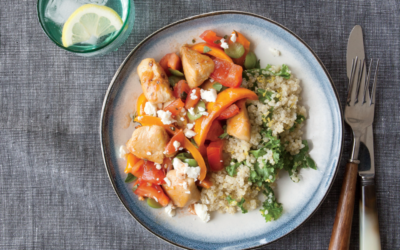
<point>369,226</point>
<point>340,238</point>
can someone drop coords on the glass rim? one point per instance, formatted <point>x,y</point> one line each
<point>89,50</point>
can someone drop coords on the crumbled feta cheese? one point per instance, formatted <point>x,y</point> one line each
<point>233,37</point>
<point>150,109</point>
<point>148,153</point>
<point>211,80</point>
<point>170,210</point>
<point>191,111</point>
<point>189,133</point>
<point>201,109</point>
<point>187,192</point>
<point>224,45</point>
<point>185,185</point>
<point>167,181</point>
<point>165,116</point>
<point>140,118</point>
<point>275,52</point>
<point>190,125</point>
<point>182,119</point>
<point>183,169</point>
<point>193,95</point>
<point>158,166</point>
<point>201,211</point>
<point>209,95</point>
<point>192,172</point>
<point>176,145</point>
<point>222,161</point>
<point>204,113</point>
<point>123,151</point>
<point>181,148</point>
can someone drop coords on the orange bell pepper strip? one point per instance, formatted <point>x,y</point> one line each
<point>246,44</point>
<point>140,103</point>
<point>215,51</point>
<point>147,120</point>
<point>224,99</point>
<point>131,160</point>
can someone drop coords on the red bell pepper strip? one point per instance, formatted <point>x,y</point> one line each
<point>214,155</point>
<point>211,38</point>
<point>229,112</point>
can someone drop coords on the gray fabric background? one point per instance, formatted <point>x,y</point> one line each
<point>54,190</point>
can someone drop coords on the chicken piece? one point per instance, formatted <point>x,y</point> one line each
<point>197,67</point>
<point>239,125</point>
<point>148,142</point>
<point>154,81</point>
<point>207,85</point>
<point>180,196</point>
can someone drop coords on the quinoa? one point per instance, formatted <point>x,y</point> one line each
<point>279,112</point>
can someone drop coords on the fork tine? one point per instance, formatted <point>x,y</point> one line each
<point>373,91</point>
<point>366,84</point>
<point>351,79</point>
<point>360,76</point>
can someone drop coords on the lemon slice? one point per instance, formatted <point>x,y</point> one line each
<point>90,20</point>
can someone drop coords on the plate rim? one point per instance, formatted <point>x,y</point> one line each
<point>214,13</point>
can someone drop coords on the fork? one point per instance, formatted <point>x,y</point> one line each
<point>359,115</point>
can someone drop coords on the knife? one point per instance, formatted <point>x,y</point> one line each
<point>369,227</point>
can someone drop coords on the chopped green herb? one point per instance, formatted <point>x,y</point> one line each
<point>226,37</point>
<point>130,178</point>
<point>225,134</point>
<point>217,41</point>
<point>194,40</point>
<point>284,72</point>
<point>264,95</point>
<point>229,199</point>
<point>194,143</point>
<point>231,169</point>
<point>206,49</point>
<point>241,205</point>
<point>299,120</point>
<point>271,209</point>
<point>135,187</point>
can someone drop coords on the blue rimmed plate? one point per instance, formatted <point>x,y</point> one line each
<point>323,130</point>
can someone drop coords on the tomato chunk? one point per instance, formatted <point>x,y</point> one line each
<point>215,131</point>
<point>190,100</point>
<point>214,155</point>
<point>152,174</point>
<point>175,107</point>
<point>181,90</point>
<point>150,190</point>
<point>227,73</point>
<point>172,61</point>
<point>229,112</point>
<point>170,150</point>
<point>210,37</point>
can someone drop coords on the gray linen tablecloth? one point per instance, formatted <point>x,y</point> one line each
<point>54,189</point>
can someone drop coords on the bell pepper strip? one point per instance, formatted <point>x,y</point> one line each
<point>240,38</point>
<point>172,61</point>
<point>150,190</point>
<point>224,100</point>
<point>211,38</point>
<point>206,183</point>
<point>227,73</point>
<point>170,149</point>
<point>137,169</point>
<point>215,131</point>
<point>214,155</point>
<point>175,107</point>
<point>214,51</point>
<point>193,98</point>
<point>152,174</point>
<point>147,120</point>
<point>182,90</point>
<point>229,112</point>
<point>140,104</point>
<point>131,160</point>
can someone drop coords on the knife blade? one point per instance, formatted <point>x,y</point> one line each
<point>355,48</point>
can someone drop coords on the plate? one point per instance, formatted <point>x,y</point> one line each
<point>323,130</point>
